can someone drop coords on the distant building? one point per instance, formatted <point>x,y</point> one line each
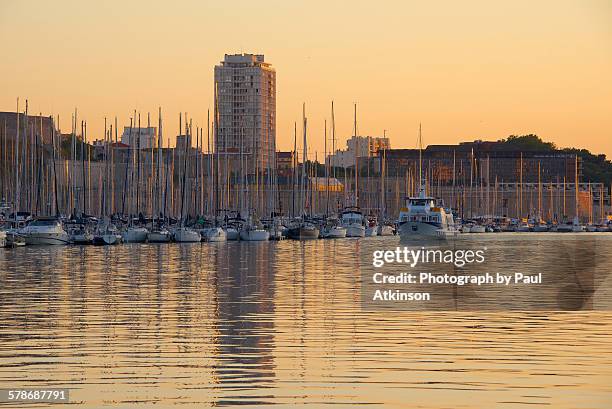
<point>362,146</point>
<point>34,124</point>
<point>284,163</point>
<point>182,142</point>
<point>246,108</point>
<point>483,161</point>
<point>147,135</point>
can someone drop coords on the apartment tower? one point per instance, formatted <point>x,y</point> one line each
<point>245,111</point>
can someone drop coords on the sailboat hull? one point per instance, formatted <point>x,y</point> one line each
<point>135,235</point>
<point>335,232</point>
<point>254,235</point>
<point>232,234</point>
<point>159,237</point>
<point>213,234</point>
<point>183,235</point>
<point>304,233</point>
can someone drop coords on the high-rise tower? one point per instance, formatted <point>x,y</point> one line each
<point>245,91</point>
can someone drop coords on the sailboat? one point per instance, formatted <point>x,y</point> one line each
<point>422,217</point>
<point>331,229</point>
<point>304,229</point>
<point>134,233</point>
<point>385,228</point>
<point>106,233</point>
<point>184,234</point>
<point>352,218</point>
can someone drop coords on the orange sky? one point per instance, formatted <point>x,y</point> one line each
<point>466,70</point>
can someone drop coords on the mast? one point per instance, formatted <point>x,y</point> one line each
<point>326,169</point>
<point>539,191</point>
<point>184,176</point>
<point>295,165</point>
<point>127,164</point>
<point>333,149</point>
<point>356,155</point>
<point>84,209</point>
<point>305,159</point>
<point>576,186</point>
<point>113,147</point>
<point>16,170</point>
<point>421,184</point>
<point>383,164</point>
<point>138,146</point>
<point>160,142</point>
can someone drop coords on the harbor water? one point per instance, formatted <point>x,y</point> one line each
<point>280,324</point>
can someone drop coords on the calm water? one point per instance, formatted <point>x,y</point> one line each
<point>280,324</point>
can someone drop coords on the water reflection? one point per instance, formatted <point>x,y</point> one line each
<point>278,323</point>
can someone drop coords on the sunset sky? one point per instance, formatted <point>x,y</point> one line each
<point>465,70</point>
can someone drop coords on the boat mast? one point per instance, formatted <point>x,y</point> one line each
<point>356,155</point>
<point>295,165</point>
<point>333,149</point>
<point>16,170</point>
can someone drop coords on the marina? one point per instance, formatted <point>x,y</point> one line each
<point>202,193</point>
<point>308,204</point>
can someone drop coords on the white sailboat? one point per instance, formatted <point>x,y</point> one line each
<point>214,234</point>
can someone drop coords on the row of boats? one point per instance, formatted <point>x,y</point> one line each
<point>90,230</point>
<point>423,217</point>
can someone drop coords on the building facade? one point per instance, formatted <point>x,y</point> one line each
<point>245,110</point>
<point>362,146</point>
<point>147,136</point>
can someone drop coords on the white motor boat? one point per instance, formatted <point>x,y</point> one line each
<point>333,232</point>
<point>187,235</point>
<point>214,234</point>
<point>135,234</point>
<point>386,230</point>
<point>352,220</point>
<point>45,231</point>
<point>371,229</point>
<point>159,235</point>
<point>421,218</point>
<point>478,228</point>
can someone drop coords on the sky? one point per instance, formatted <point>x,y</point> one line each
<point>465,70</point>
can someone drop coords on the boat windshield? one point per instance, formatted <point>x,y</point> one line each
<point>420,202</point>
<point>44,223</point>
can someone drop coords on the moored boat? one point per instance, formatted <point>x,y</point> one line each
<point>45,231</point>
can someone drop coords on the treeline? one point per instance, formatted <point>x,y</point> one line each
<point>595,168</point>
